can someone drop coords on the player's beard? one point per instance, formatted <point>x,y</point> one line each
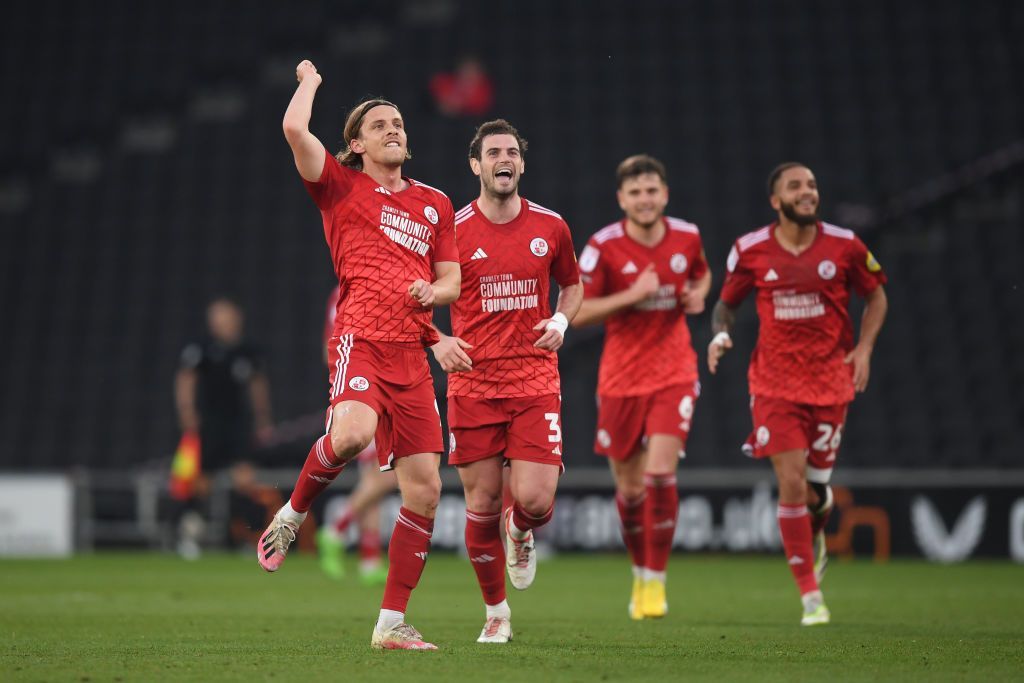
<point>801,219</point>
<point>491,188</point>
<point>646,225</point>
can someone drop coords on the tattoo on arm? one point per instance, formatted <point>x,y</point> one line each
<point>722,318</point>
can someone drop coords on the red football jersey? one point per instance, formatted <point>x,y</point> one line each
<point>506,273</point>
<point>646,347</point>
<point>332,312</point>
<point>380,242</point>
<point>802,303</point>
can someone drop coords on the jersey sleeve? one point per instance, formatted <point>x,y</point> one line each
<point>700,264</point>
<point>739,279</point>
<point>564,268</point>
<point>334,184</point>
<point>593,272</point>
<point>866,272</point>
<point>445,248</point>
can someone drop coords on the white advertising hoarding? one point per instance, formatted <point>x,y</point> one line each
<point>36,516</point>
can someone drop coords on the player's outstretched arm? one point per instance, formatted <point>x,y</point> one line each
<point>569,300</point>
<point>597,309</point>
<point>309,152</point>
<point>876,306</point>
<point>722,320</point>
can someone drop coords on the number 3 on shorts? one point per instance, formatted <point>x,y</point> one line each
<point>829,439</point>
<point>556,432</point>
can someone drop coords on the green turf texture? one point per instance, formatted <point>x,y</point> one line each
<point>149,617</point>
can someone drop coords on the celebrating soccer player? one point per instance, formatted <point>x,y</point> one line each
<point>392,242</point>
<point>503,388</point>
<point>363,505</point>
<point>805,367</point>
<point>641,276</point>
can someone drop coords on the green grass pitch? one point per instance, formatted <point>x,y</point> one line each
<point>147,617</point>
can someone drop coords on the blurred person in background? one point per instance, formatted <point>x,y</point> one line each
<point>363,505</point>
<point>392,244</point>
<point>642,276</point>
<point>805,369</point>
<point>222,397</point>
<point>504,391</point>
<point>466,91</point>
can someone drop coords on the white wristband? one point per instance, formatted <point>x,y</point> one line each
<point>720,339</point>
<point>558,322</point>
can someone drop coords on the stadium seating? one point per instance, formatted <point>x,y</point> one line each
<point>144,171</point>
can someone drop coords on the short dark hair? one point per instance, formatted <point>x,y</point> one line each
<point>777,172</point>
<point>353,122</point>
<point>495,127</point>
<point>639,164</point>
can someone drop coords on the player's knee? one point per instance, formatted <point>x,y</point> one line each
<point>349,443</point>
<point>483,501</point>
<point>631,491</point>
<point>792,487</point>
<point>536,504</point>
<point>424,493</point>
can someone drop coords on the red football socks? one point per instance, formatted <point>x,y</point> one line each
<point>524,521</point>
<point>631,513</point>
<point>344,521</point>
<point>487,554</point>
<point>407,555</point>
<point>320,470</point>
<point>795,526</point>
<point>660,514</point>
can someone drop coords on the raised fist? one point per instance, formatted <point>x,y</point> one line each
<point>305,70</point>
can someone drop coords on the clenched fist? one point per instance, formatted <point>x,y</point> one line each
<point>305,70</point>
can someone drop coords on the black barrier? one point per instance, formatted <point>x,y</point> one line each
<point>940,523</point>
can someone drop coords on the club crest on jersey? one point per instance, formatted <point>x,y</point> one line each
<point>539,246</point>
<point>827,270</point>
<point>604,438</point>
<point>677,263</point>
<point>359,384</point>
<point>763,435</point>
<point>431,214</point>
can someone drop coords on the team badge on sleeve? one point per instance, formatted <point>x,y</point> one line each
<point>588,258</point>
<point>873,265</point>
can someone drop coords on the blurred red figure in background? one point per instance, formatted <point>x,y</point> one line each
<point>467,91</point>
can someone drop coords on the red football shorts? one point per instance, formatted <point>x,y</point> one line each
<point>394,380</point>
<point>781,425</point>
<point>625,422</point>
<point>524,428</point>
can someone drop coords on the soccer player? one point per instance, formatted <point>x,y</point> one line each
<point>805,367</point>
<point>363,505</point>
<point>389,236</point>
<point>642,276</point>
<point>504,397</point>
